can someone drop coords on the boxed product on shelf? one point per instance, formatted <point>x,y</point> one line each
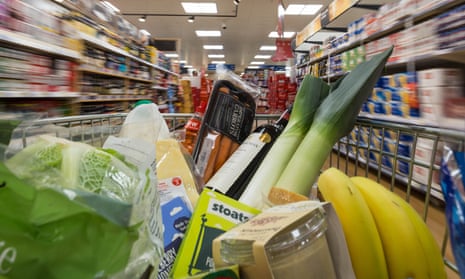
<point>440,77</point>
<point>438,94</point>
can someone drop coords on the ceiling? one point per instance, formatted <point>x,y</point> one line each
<point>247,28</point>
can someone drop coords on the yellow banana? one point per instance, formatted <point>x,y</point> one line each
<point>434,261</point>
<point>363,241</point>
<point>402,249</point>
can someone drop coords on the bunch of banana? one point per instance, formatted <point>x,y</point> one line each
<point>408,248</point>
<point>363,241</point>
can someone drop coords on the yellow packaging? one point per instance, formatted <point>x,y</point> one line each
<point>229,272</point>
<point>172,164</point>
<point>214,214</point>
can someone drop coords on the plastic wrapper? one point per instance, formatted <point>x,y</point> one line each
<point>145,122</point>
<point>453,188</point>
<point>224,73</point>
<point>83,212</point>
<point>227,122</point>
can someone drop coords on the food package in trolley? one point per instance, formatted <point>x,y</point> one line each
<point>178,183</point>
<point>228,120</point>
<point>72,210</point>
<point>453,188</point>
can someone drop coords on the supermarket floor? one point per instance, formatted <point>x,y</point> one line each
<point>434,210</point>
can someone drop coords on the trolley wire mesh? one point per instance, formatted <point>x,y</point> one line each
<point>386,151</point>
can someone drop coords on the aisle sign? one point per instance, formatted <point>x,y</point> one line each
<point>212,66</point>
<point>338,7</point>
<point>334,9</point>
<point>313,27</point>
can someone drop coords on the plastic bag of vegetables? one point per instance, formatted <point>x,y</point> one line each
<point>67,210</point>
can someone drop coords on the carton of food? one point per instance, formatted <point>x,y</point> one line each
<point>213,215</point>
<point>297,240</point>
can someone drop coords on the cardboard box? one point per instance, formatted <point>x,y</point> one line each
<point>440,77</point>
<point>213,215</point>
<point>268,228</point>
<point>437,95</point>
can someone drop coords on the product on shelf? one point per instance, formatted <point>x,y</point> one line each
<point>442,96</point>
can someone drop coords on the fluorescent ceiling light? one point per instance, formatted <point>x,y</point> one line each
<point>268,48</point>
<point>187,66</point>
<point>257,63</point>
<point>182,61</point>
<point>300,9</point>
<point>258,56</point>
<point>216,56</point>
<point>199,8</point>
<point>218,62</point>
<point>212,46</point>
<point>274,34</point>
<point>208,33</point>
<point>111,6</point>
<point>253,67</point>
<point>172,55</point>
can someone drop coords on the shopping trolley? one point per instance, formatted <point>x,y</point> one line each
<point>383,150</point>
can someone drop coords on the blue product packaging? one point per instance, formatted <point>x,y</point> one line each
<point>453,187</point>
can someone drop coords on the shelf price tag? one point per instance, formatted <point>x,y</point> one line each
<point>313,27</point>
<point>338,7</point>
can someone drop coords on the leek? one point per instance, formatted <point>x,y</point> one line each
<point>334,119</point>
<point>309,96</point>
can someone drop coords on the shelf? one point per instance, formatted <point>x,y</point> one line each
<point>402,178</point>
<point>112,73</point>
<point>401,24</point>
<point>38,94</point>
<point>23,40</point>
<point>451,124</point>
<point>100,43</point>
<point>159,87</point>
<point>111,98</point>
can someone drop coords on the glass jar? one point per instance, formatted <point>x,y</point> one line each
<point>302,252</point>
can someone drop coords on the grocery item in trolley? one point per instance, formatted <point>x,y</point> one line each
<point>227,122</point>
<point>88,201</point>
<point>453,187</point>
<point>298,240</point>
<point>213,215</point>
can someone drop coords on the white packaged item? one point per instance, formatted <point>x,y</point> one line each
<point>145,122</point>
<point>440,77</point>
<point>437,95</point>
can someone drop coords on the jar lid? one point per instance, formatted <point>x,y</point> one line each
<point>303,235</point>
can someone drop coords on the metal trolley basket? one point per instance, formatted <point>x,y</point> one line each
<point>403,157</point>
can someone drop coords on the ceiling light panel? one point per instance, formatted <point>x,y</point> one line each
<point>208,33</point>
<point>213,47</point>
<point>219,62</point>
<point>257,63</point>
<point>268,48</point>
<point>274,34</point>
<point>216,56</point>
<point>300,9</point>
<point>199,8</point>
<point>171,55</point>
<point>258,56</point>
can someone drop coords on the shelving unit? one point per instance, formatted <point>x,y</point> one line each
<point>136,79</point>
<point>400,62</point>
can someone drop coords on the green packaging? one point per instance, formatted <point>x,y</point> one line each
<point>213,215</point>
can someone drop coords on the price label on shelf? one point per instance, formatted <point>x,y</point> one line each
<point>338,7</point>
<point>313,27</point>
